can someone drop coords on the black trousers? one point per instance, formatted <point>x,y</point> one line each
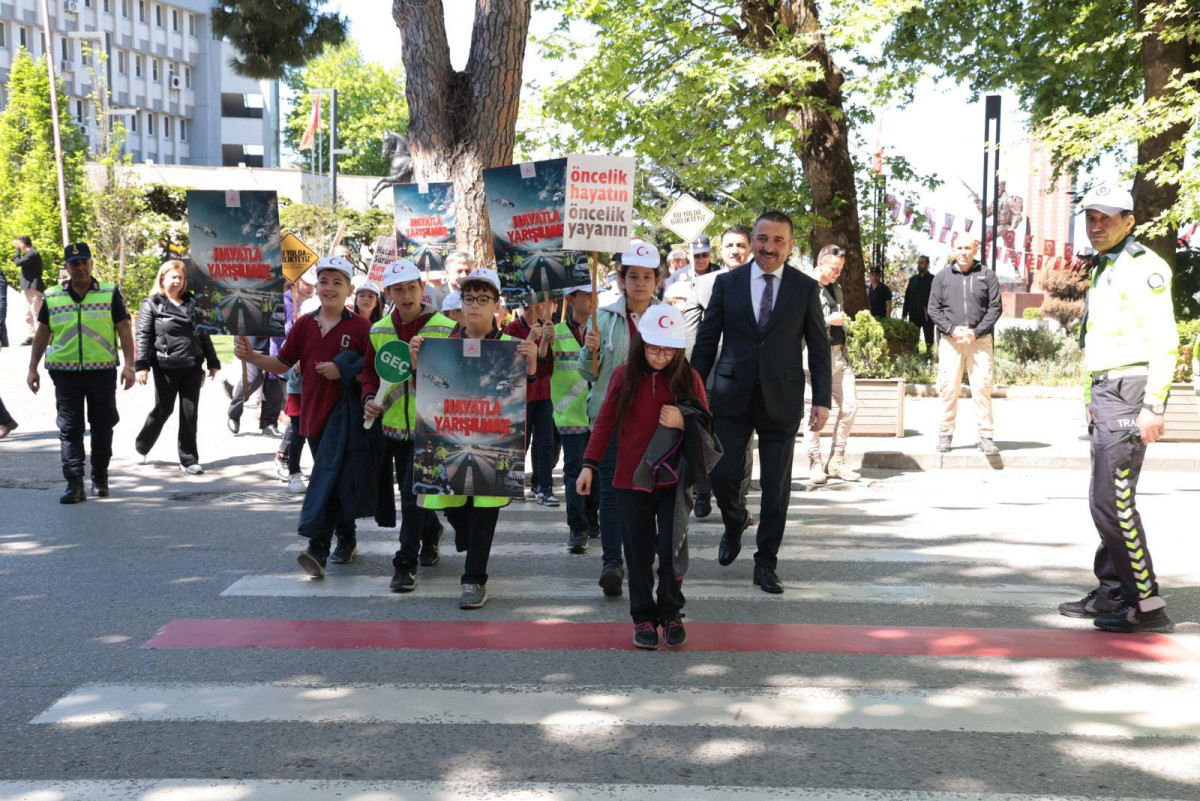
<point>474,530</point>
<point>539,427</point>
<point>1122,565</point>
<point>649,523</point>
<point>169,383</point>
<point>291,444</point>
<point>747,476</point>
<point>272,402</point>
<point>97,390</point>
<point>322,543</point>
<point>926,326</point>
<point>5,417</point>
<point>417,524</point>
<point>776,444</point>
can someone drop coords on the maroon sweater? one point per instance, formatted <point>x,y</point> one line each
<point>637,427</point>
<point>538,389</point>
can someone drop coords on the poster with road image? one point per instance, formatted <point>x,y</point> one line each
<point>470,434</point>
<point>236,268</point>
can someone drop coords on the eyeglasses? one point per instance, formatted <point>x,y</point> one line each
<point>477,300</point>
<point>657,350</point>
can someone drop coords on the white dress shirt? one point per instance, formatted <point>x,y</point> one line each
<point>758,285</point>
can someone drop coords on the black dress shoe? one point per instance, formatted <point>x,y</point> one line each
<point>767,581</point>
<point>731,544</point>
<point>703,506</point>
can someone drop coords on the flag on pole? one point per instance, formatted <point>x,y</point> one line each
<point>310,130</point>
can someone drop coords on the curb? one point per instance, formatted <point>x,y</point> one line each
<point>1015,392</point>
<point>898,460</point>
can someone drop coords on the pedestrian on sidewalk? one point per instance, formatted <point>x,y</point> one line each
<point>1130,345</point>
<point>608,343</point>
<point>291,444</point>
<point>916,302</point>
<point>964,303</point>
<point>79,328</point>
<point>539,410</point>
<point>168,344</point>
<point>326,345</point>
<point>568,393</point>
<point>474,518</point>
<point>272,387</point>
<point>644,412</point>
<point>31,281</point>
<point>879,296</point>
<point>421,533</point>
<point>830,262</point>
<point>7,423</point>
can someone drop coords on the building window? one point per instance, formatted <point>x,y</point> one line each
<point>149,124</point>
<point>183,130</point>
<point>3,33</point>
<point>175,20</point>
<point>79,111</point>
<point>125,9</point>
<point>141,10</point>
<point>137,66</point>
<point>23,38</point>
<point>191,24</point>
<point>65,52</point>
<point>154,70</point>
<point>87,3</point>
<point>133,123</point>
<point>166,127</point>
<point>107,6</point>
<point>122,62</point>
<point>187,77</point>
<point>158,21</point>
<point>238,105</point>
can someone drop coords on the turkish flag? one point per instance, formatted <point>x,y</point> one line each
<point>1048,247</point>
<point>310,131</point>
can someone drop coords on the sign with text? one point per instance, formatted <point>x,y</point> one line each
<point>393,364</point>
<point>599,203</point>
<point>687,217</point>
<point>297,257</point>
<point>237,262</point>
<point>385,254</point>
<point>470,431</point>
<point>525,205</point>
<point>424,214</point>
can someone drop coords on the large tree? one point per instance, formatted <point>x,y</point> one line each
<point>28,180</point>
<point>1096,77</point>
<point>370,102</point>
<point>274,35</point>
<point>463,121</point>
<point>739,103</point>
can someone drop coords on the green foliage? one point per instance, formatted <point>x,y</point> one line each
<point>1185,284</point>
<point>1189,331</point>
<point>1065,290</point>
<point>274,35</point>
<point>28,180</point>
<point>1029,344</point>
<point>169,201</point>
<point>370,102</point>
<point>1032,313</point>
<point>317,225</point>
<point>914,369</point>
<point>1064,368</point>
<point>866,347</point>
<point>901,335</point>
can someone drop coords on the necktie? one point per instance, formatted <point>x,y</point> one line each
<point>764,305</point>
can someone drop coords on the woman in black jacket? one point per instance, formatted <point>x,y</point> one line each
<point>167,342</point>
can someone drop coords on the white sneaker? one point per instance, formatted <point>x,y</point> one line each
<point>192,469</point>
<point>281,469</point>
<point>296,483</point>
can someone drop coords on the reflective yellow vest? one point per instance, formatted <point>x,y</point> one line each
<point>399,413</point>
<point>82,335</point>
<point>568,389</point>
<point>455,501</point>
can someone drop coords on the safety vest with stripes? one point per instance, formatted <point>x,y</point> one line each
<point>82,335</point>
<point>568,389</point>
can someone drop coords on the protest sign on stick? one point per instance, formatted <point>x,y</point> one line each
<point>393,364</point>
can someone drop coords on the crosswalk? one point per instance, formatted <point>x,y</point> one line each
<point>915,656</point>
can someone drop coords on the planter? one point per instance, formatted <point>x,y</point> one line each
<point>1183,415</point>
<point>880,408</point>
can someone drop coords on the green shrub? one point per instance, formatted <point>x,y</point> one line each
<point>1029,344</point>
<point>866,347</point>
<point>1032,313</point>
<point>914,369</point>
<point>901,335</point>
<point>1189,330</point>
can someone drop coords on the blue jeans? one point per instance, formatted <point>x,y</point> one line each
<point>611,521</point>
<point>580,508</point>
<point>539,427</point>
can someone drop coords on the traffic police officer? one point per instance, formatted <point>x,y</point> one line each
<point>1130,341</point>
<point>78,329</point>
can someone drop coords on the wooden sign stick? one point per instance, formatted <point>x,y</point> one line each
<point>595,303</point>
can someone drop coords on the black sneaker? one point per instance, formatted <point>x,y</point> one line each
<point>611,578</point>
<point>593,530</point>
<point>645,635</point>
<point>1090,605</point>
<point>431,552</point>
<point>313,564</point>
<point>346,550</point>
<point>673,633</point>
<point>405,580</point>
<point>578,541</point>
<point>1130,619</point>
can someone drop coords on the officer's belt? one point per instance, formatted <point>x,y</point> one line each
<point>1120,372</point>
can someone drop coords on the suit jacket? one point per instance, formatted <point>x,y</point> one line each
<point>773,359</point>
<point>693,313</point>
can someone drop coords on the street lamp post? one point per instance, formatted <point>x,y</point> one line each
<point>334,152</point>
<point>57,133</point>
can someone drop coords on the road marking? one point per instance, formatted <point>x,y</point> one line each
<point>357,586</point>
<point>563,635</point>
<point>323,790</point>
<point>1131,712</point>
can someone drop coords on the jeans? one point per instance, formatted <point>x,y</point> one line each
<point>417,524</point>
<point>184,382</point>
<point>320,544</point>
<point>611,522</point>
<point>476,527</point>
<point>539,427</point>
<point>649,527</point>
<point>581,509</point>
<point>98,389</point>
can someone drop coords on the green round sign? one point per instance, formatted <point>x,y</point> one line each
<point>393,362</point>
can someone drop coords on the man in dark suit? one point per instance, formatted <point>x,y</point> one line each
<point>763,316</point>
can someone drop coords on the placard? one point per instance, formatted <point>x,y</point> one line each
<point>384,254</point>
<point>599,203</point>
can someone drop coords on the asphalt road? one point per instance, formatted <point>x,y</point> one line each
<point>916,654</point>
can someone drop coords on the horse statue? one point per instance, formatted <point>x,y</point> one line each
<point>395,147</point>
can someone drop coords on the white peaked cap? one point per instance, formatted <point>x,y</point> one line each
<point>662,325</point>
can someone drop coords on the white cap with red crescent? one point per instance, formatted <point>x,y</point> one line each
<point>662,325</point>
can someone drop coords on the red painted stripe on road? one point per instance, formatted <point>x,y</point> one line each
<point>767,637</point>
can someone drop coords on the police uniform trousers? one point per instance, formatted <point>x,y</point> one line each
<point>1123,564</point>
<point>97,390</point>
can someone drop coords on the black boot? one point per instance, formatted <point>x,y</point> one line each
<point>99,486</point>
<point>74,493</point>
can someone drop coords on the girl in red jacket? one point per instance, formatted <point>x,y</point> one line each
<point>642,395</point>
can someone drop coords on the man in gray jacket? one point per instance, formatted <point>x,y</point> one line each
<point>964,304</point>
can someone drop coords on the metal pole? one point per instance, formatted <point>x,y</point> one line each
<point>333,148</point>
<point>58,153</point>
<point>991,112</point>
<point>996,181</point>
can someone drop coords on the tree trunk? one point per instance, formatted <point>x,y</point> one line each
<point>461,123</point>
<point>1160,62</point>
<point>824,147</point>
